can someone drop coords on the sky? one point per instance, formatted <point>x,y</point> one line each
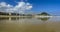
<point>31,6</point>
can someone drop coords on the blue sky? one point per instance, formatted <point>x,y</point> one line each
<point>50,6</point>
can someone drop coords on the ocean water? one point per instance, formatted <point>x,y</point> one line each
<point>51,24</point>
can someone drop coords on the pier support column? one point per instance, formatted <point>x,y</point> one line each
<point>10,17</point>
<point>9,13</point>
<point>16,15</point>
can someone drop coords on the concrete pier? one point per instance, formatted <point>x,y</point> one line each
<point>9,18</point>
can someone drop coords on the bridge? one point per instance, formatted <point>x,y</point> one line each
<point>5,16</point>
<point>15,16</point>
<point>2,16</point>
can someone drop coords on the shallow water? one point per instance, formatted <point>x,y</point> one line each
<point>30,25</point>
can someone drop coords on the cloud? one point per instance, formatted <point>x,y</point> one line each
<point>21,7</point>
<point>3,4</point>
<point>5,7</point>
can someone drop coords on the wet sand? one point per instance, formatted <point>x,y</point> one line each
<point>29,25</point>
<point>44,27</point>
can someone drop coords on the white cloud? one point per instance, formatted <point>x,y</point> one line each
<point>20,8</point>
<point>20,4</point>
<point>3,4</point>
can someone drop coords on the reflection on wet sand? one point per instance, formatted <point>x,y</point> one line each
<point>29,25</point>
